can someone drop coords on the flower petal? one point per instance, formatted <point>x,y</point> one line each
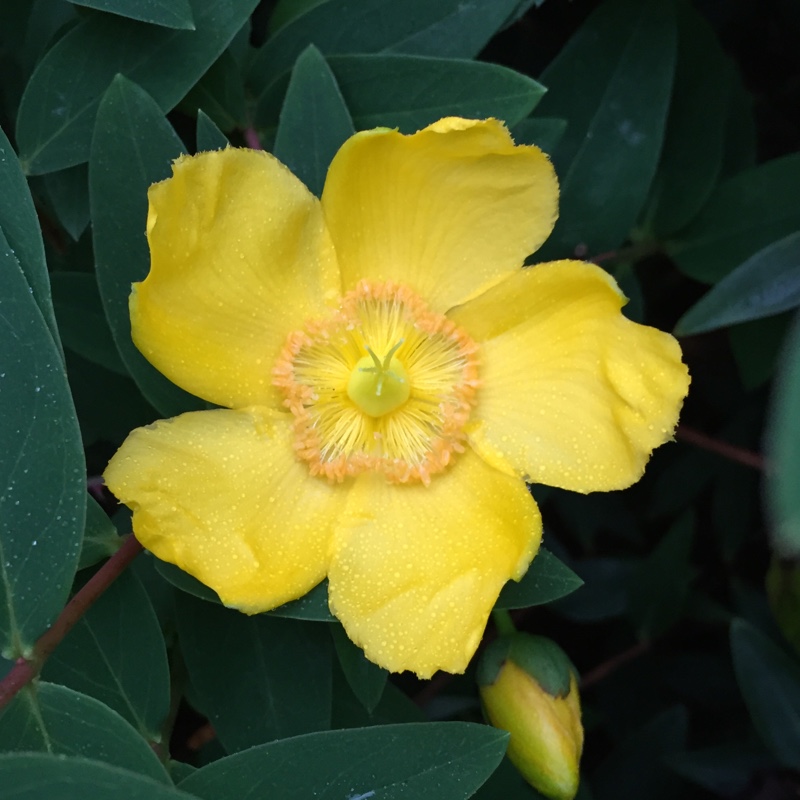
<point>220,494</point>
<point>448,211</point>
<point>572,394</point>
<point>239,258</point>
<point>416,570</point>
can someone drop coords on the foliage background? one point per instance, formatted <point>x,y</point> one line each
<point>674,127</point>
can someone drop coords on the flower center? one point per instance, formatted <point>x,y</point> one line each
<point>379,387</point>
<point>382,384</point>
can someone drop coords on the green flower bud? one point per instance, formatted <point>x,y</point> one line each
<point>530,689</point>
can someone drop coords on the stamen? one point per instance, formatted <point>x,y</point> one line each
<point>403,414</point>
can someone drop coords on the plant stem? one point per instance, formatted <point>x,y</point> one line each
<point>25,670</point>
<point>729,451</point>
<point>503,622</point>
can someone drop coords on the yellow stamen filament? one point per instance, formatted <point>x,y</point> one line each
<point>401,408</point>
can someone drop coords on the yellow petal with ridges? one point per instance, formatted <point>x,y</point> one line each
<point>416,570</point>
<point>220,494</point>
<point>239,258</point>
<point>448,211</point>
<point>573,394</point>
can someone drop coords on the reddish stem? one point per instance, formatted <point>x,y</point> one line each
<point>603,670</point>
<point>729,451</point>
<point>251,138</point>
<point>25,670</point>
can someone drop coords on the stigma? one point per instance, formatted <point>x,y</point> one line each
<point>382,384</point>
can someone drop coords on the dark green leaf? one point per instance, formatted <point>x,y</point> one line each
<point>757,346</point>
<point>209,136</point>
<point>33,776</point>
<point>696,128</point>
<point>55,719</point>
<point>367,680</point>
<point>447,29</point>
<point>547,579</point>
<point>726,770</point>
<point>312,606</point>
<point>603,595</point>
<point>220,93</point>
<point>741,145</point>
<point>116,654</point>
<point>133,146</point>
<point>257,678</point>
<point>659,586</point>
<point>770,684</point>
<point>349,712</point>
<point>783,452</point>
<point>442,760</point>
<point>81,320</point>
<point>20,226</point>
<point>56,116</point>
<point>410,92</point>
<point>68,191</point>
<point>42,471</point>
<point>612,84</point>
<point>544,132</point>
<point>766,284</point>
<point>637,768</point>
<point>743,214</point>
<point>314,120</point>
<point>167,13</point>
<point>100,537</point>
<point>109,405</point>
<point>285,11</point>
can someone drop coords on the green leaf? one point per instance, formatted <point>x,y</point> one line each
<point>410,92</point>
<point>764,285</point>
<point>68,191</point>
<point>741,145</point>
<point>133,146</point>
<point>257,678</point>
<point>447,29</point>
<point>442,760</point>
<point>81,320</point>
<point>783,452</point>
<point>659,586</point>
<point>612,84</point>
<point>314,120</point>
<point>636,767</point>
<point>167,13</point>
<point>33,776</point>
<point>54,719</point>
<point>770,684</point>
<point>57,112</point>
<point>544,132</point>
<point>109,405</point>
<point>209,136</point>
<point>757,346</point>
<point>221,93</point>
<point>695,140</point>
<point>312,606</point>
<point>116,654</point>
<point>20,226</point>
<point>547,579</point>
<point>42,470</point>
<point>100,537</point>
<point>725,770</point>
<point>367,680</point>
<point>743,215</point>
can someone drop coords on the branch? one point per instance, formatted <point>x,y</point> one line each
<point>25,670</point>
<point>729,451</point>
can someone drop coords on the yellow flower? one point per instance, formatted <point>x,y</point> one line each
<point>390,378</point>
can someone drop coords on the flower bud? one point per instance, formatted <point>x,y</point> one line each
<point>529,688</point>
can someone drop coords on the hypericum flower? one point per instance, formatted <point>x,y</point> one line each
<point>391,378</point>
<point>529,688</point>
